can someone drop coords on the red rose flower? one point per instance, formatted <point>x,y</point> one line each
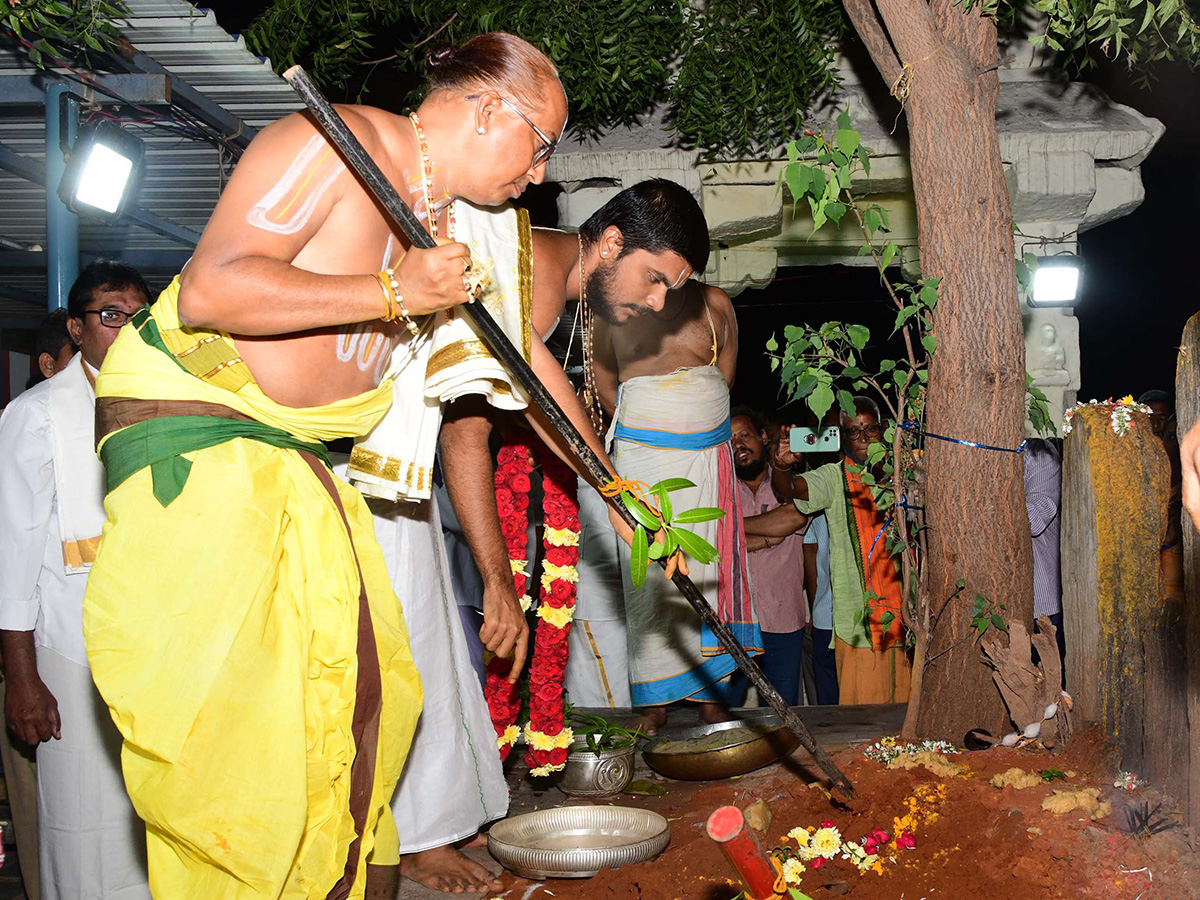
<point>558,756</point>
<point>520,482</point>
<point>818,863</point>
<point>907,841</point>
<point>827,824</point>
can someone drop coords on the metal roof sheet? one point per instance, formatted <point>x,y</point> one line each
<point>180,178</point>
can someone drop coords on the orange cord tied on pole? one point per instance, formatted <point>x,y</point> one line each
<point>617,486</point>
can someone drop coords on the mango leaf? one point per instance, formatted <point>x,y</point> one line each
<point>664,504</point>
<point>639,557</point>
<point>672,484</point>
<point>699,514</point>
<point>798,894</point>
<point>695,546</point>
<point>639,512</point>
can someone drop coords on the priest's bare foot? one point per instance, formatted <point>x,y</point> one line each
<point>651,719</point>
<point>712,713</point>
<point>446,869</point>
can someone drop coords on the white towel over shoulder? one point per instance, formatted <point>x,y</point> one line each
<point>449,360</point>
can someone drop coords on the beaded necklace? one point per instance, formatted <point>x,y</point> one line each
<point>431,212</point>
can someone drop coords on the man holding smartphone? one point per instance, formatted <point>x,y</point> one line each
<point>868,634</point>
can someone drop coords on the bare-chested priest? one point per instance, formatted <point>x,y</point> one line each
<point>665,382</point>
<point>240,620</point>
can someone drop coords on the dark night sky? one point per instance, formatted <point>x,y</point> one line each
<point>1140,281</point>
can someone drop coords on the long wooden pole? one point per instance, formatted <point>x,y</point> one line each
<point>357,157</point>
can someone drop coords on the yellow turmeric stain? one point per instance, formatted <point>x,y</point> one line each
<point>1127,474</point>
<point>221,842</point>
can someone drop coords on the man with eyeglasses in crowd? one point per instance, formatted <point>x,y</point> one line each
<point>868,634</point>
<point>91,842</point>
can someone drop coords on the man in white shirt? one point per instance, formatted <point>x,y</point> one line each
<point>91,843</point>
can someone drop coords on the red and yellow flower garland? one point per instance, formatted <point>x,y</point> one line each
<point>546,732</point>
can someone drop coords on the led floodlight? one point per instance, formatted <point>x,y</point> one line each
<point>1055,281</point>
<point>101,171</point>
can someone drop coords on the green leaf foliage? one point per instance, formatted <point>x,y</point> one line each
<point>672,484</point>
<point>695,546</point>
<point>639,557</point>
<point>639,512</point>
<point>699,514</point>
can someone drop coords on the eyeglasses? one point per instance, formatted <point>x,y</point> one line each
<point>871,431</point>
<point>548,147</point>
<point>110,318</point>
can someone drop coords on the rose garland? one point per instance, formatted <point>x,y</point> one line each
<point>512,481</point>
<point>546,732</point>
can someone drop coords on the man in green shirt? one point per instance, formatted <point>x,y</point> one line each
<point>868,633</point>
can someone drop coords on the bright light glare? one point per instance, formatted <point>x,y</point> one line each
<point>103,180</point>
<point>1055,285</point>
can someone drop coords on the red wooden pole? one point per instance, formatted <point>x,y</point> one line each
<point>727,826</point>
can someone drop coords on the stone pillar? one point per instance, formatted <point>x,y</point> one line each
<point>1122,667</point>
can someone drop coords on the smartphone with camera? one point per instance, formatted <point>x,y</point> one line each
<point>816,440</point>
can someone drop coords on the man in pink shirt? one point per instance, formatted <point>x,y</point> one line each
<point>776,563</point>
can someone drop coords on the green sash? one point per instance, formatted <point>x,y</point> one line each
<point>160,444</point>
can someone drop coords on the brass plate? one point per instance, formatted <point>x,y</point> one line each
<point>766,740</point>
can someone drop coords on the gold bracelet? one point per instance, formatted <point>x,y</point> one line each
<point>389,313</point>
<point>412,327</point>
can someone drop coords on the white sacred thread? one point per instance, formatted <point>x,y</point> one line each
<point>328,169</point>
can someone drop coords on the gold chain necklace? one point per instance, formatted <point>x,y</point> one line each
<point>591,397</point>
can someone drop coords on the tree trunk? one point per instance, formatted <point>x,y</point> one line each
<point>975,499</point>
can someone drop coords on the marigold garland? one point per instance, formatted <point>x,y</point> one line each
<point>546,733</point>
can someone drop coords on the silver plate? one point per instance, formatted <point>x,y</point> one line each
<point>577,841</point>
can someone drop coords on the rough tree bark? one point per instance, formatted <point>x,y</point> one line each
<point>939,59</point>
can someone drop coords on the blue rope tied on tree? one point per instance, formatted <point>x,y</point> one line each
<point>914,426</point>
